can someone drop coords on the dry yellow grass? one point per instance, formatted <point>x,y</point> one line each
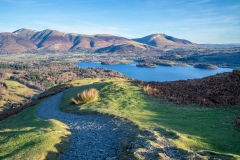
<point>86,96</point>
<point>84,81</point>
<point>146,88</point>
<point>3,90</point>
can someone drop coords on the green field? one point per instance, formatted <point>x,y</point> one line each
<point>70,57</point>
<point>193,128</point>
<point>84,81</point>
<point>24,136</point>
<point>15,93</point>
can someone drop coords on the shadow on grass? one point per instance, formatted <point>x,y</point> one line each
<point>18,150</point>
<point>214,155</point>
<point>168,134</point>
<point>24,136</point>
<point>61,147</point>
<point>212,127</point>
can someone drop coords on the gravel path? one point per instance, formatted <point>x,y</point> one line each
<point>93,136</point>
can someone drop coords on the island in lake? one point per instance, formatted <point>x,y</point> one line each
<point>205,66</point>
<point>148,65</point>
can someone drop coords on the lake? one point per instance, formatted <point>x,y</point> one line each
<point>161,73</point>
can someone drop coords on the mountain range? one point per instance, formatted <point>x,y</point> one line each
<point>27,40</point>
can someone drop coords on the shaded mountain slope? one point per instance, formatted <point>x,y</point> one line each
<point>52,40</point>
<point>97,41</point>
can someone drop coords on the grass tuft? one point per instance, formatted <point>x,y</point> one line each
<point>146,88</point>
<point>149,90</point>
<point>90,95</point>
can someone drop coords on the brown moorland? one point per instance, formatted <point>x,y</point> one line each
<point>212,91</point>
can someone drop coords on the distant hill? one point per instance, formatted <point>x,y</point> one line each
<point>163,40</point>
<point>27,40</point>
<point>231,45</point>
<point>129,48</point>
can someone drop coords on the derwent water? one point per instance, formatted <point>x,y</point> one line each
<point>161,73</point>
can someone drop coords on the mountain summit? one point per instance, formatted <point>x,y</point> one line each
<point>27,40</point>
<point>162,40</point>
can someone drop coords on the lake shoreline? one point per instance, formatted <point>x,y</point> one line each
<point>160,73</point>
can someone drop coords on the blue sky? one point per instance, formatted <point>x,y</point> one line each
<point>200,21</point>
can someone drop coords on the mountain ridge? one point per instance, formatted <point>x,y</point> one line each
<point>28,40</point>
<point>162,40</point>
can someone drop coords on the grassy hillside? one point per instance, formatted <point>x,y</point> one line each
<point>24,136</point>
<point>15,92</point>
<point>191,127</point>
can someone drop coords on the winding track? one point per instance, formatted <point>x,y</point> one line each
<point>93,136</point>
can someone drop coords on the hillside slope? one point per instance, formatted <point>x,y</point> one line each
<point>210,132</point>
<point>130,48</point>
<point>163,40</point>
<point>218,90</point>
<point>27,40</point>
<point>13,92</point>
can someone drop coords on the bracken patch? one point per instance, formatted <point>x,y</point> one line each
<point>222,89</point>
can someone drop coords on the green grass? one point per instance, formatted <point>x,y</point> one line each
<point>18,88</point>
<point>114,79</point>
<point>84,81</point>
<point>16,93</point>
<point>24,136</point>
<point>31,57</point>
<point>193,128</point>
